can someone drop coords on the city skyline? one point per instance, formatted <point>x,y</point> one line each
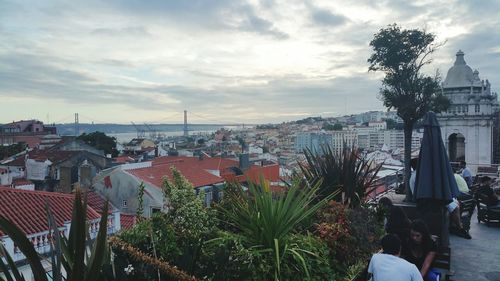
<point>243,61</point>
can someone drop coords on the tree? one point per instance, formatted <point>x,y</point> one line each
<point>400,54</point>
<point>9,150</point>
<point>337,127</point>
<point>330,127</point>
<point>393,125</point>
<point>100,141</point>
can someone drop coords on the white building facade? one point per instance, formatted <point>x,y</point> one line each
<point>467,127</point>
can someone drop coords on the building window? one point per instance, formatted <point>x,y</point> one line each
<point>155,210</point>
<point>208,198</point>
<point>124,203</point>
<point>476,108</point>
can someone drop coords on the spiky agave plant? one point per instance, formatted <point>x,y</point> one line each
<point>266,221</point>
<point>345,171</point>
<point>72,253</point>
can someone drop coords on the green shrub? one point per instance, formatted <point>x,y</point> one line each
<point>266,221</point>
<point>346,171</point>
<point>351,234</point>
<point>316,256</point>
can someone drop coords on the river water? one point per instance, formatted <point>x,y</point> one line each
<point>127,137</point>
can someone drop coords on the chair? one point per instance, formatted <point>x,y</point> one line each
<point>467,206</point>
<point>485,212</point>
<point>442,260</point>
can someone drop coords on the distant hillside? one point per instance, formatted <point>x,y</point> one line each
<point>69,129</point>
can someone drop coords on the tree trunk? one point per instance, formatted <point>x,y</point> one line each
<point>408,129</point>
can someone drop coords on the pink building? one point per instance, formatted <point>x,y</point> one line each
<point>30,132</point>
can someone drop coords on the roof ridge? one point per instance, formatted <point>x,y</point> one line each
<point>38,192</point>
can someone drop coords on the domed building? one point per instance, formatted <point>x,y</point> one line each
<point>467,126</point>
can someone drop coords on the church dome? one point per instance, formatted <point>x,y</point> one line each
<point>460,74</point>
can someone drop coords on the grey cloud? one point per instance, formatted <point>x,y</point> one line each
<point>7,7</point>
<point>115,63</point>
<point>45,80</point>
<point>281,95</point>
<point>254,23</point>
<point>326,17</point>
<point>204,14</point>
<point>127,31</point>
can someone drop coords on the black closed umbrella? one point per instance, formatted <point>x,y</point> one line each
<point>435,180</point>
<point>435,185</point>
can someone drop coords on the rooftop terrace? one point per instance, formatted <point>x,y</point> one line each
<point>477,259</point>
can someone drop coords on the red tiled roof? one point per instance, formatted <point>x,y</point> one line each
<point>207,163</point>
<point>123,159</point>
<point>26,208</point>
<point>194,174</point>
<point>223,165</point>
<point>127,221</point>
<point>96,202</point>
<point>17,182</point>
<point>53,156</point>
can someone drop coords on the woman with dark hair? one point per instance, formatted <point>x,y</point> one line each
<point>396,220</point>
<point>421,249</point>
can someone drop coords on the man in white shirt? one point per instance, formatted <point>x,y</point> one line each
<point>466,173</point>
<point>389,266</point>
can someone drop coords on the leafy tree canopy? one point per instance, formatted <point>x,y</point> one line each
<point>9,150</point>
<point>401,54</point>
<point>332,127</point>
<point>100,141</point>
<point>393,125</point>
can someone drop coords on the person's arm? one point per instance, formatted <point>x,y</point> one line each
<point>427,263</point>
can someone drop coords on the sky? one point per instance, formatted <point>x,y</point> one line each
<point>224,61</point>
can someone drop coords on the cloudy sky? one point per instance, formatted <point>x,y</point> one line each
<point>222,60</point>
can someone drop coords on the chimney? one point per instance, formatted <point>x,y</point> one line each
<point>85,175</point>
<point>244,161</point>
<point>156,151</point>
<point>65,179</point>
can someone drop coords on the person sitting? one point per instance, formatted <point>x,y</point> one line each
<point>456,226</point>
<point>485,188</point>
<point>466,173</point>
<point>421,249</point>
<point>396,221</point>
<point>463,188</point>
<point>389,266</point>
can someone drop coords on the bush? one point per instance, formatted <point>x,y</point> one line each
<point>351,234</point>
<point>227,257</point>
<point>316,256</point>
<point>163,233</point>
